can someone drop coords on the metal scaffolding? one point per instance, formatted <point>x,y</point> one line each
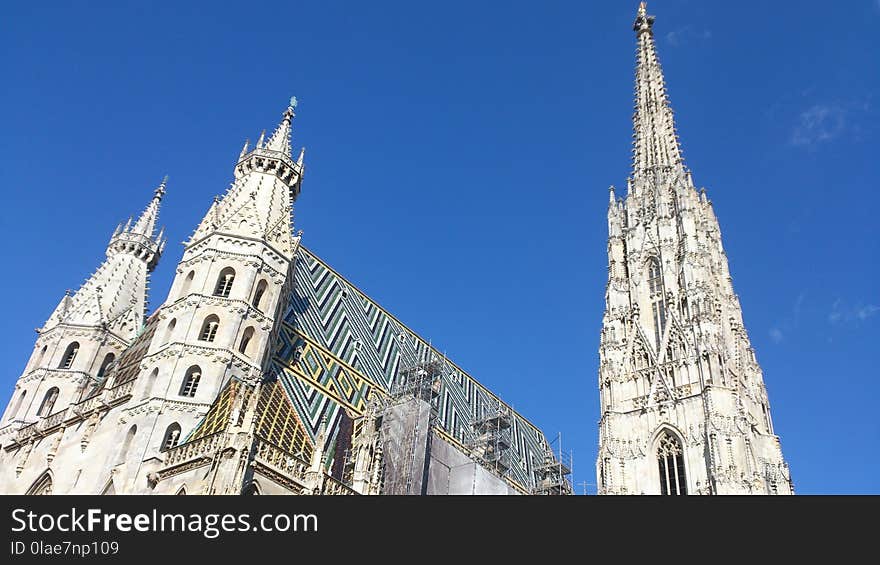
<point>552,475</point>
<point>492,439</point>
<point>420,380</point>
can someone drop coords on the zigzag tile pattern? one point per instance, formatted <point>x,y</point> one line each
<point>336,347</point>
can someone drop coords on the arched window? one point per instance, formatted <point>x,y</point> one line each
<point>655,275</point>
<point>48,402</point>
<point>181,491</point>
<point>172,435</point>
<point>191,381</point>
<point>658,304</point>
<point>69,356</point>
<point>41,355</point>
<point>209,328</point>
<point>151,381</point>
<point>224,282</point>
<point>670,459</point>
<point>258,294</point>
<point>169,331</point>
<point>41,486</point>
<point>252,489</point>
<point>126,445</point>
<point>109,358</point>
<point>18,403</point>
<point>187,282</point>
<point>246,338</point>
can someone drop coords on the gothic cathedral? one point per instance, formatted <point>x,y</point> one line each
<point>265,371</point>
<point>683,405</point>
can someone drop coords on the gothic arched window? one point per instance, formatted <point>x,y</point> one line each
<point>658,306</point>
<point>655,275</point>
<point>69,356</point>
<point>109,358</point>
<point>172,435</point>
<point>169,331</point>
<point>41,355</point>
<point>209,328</point>
<point>191,381</point>
<point>670,460</point>
<point>246,338</point>
<point>42,486</point>
<point>258,293</point>
<point>17,406</point>
<point>151,381</point>
<point>187,282</point>
<point>126,445</point>
<point>48,402</point>
<point>224,282</point>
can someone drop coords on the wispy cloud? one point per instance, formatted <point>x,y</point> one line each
<point>789,321</point>
<point>818,124</point>
<point>842,313</point>
<point>688,34</point>
<point>776,335</point>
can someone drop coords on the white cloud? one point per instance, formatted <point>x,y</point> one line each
<point>776,335</point>
<point>841,313</point>
<point>819,123</point>
<point>866,312</point>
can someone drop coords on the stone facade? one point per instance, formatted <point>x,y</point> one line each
<point>264,371</point>
<point>684,409</point>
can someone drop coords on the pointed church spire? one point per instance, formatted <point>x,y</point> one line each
<point>146,224</point>
<point>114,297</point>
<point>280,140</point>
<point>655,143</point>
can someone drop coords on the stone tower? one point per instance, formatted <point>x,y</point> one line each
<point>230,287</point>
<point>683,407</point>
<point>90,328</point>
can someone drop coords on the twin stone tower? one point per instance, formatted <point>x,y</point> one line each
<point>265,371</point>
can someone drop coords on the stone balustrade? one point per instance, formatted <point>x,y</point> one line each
<point>205,446</point>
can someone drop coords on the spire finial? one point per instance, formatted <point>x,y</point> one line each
<point>280,140</point>
<point>244,149</point>
<point>643,22</point>
<point>655,144</point>
<point>260,141</point>
<point>160,190</point>
<point>302,154</point>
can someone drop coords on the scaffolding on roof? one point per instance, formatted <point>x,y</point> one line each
<point>552,474</point>
<point>492,438</point>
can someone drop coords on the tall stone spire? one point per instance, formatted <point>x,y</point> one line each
<point>655,143</point>
<point>146,224</point>
<point>280,140</point>
<point>684,408</point>
<point>259,203</point>
<point>115,295</point>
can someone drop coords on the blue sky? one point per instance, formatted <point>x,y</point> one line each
<point>459,156</point>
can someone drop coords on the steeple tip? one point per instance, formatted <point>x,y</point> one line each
<point>160,190</point>
<point>643,22</point>
<point>280,140</point>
